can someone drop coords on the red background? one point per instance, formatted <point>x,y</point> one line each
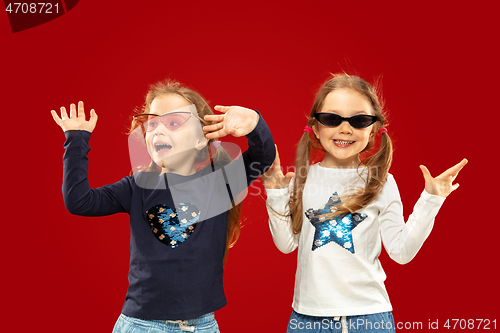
<point>438,66</point>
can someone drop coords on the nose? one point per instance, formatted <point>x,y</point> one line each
<point>345,127</point>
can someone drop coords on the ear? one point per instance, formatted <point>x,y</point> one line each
<point>315,130</point>
<point>373,133</point>
<point>201,143</point>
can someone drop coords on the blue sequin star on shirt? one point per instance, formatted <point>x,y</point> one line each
<point>338,230</point>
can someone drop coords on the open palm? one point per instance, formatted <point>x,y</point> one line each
<point>274,177</point>
<point>235,120</point>
<point>442,185</point>
<point>76,120</point>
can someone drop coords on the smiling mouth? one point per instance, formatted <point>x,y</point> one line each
<point>343,143</point>
<point>162,148</point>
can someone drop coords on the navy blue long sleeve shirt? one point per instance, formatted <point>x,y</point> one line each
<point>176,246</point>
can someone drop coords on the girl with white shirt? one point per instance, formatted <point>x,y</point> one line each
<point>339,211</point>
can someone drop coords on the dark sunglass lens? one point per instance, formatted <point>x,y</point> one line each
<point>361,121</point>
<point>328,119</point>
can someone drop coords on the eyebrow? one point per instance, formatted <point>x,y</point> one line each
<point>161,115</point>
<point>355,112</point>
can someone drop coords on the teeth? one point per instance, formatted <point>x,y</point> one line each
<point>343,142</point>
<point>162,145</point>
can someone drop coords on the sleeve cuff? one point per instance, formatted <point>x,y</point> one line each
<point>258,128</point>
<point>431,198</point>
<point>277,192</point>
<point>77,134</point>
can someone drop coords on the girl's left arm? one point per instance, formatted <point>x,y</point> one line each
<point>403,240</point>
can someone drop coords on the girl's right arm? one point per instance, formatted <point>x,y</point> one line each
<point>278,195</point>
<point>79,198</point>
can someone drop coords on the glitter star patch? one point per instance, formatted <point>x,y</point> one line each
<point>170,226</point>
<point>337,230</point>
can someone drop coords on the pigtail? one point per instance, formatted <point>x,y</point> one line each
<point>376,167</point>
<point>302,158</point>
<point>234,224</point>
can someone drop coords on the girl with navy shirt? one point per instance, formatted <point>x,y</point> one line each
<point>184,206</point>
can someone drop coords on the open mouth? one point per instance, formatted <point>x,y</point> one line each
<point>343,143</point>
<point>162,148</point>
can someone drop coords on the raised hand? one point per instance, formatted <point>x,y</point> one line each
<point>274,177</point>
<point>75,121</point>
<point>235,120</point>
<point>442,185</point>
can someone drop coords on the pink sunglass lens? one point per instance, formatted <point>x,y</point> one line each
<point>175,120</point>
<point>172,121</point>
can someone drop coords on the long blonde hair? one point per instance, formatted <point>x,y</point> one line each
<point>219,158</point>
<point>377,163</point>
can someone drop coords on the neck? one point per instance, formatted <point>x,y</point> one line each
<point>185,169</point>
<point>332,162</point>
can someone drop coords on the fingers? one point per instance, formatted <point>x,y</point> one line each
<point>76,118</point>
<point>81,112</point>
<point>72,110</point>
<point>277,162</point>
<point>56,117</point>
<point>212,128</point>
<point>218,130</point>
<point>221,108</point>
<point>64,114</point>
<point>425,172</point>
<point>454,170</point>
<point>442,185</point>
<point>217,134</point>
<point>93,117</point>
<point>214,117</point>
<point>451,172</point>
<point>289,176</point>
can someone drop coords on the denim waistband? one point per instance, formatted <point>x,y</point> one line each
<point>200,321</point>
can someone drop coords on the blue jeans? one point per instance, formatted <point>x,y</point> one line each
<point>203,324</point>
<point>372,323</point>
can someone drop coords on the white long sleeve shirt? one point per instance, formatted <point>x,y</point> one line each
<point>338,270</point>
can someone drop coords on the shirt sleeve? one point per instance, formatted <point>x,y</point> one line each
<point>79,198</point>
<point>254,162</point>
<point>403,240</point>
<point>261,151</point>
<point>280,221</point>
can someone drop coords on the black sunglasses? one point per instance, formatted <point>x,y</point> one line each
<point>333,120</point>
